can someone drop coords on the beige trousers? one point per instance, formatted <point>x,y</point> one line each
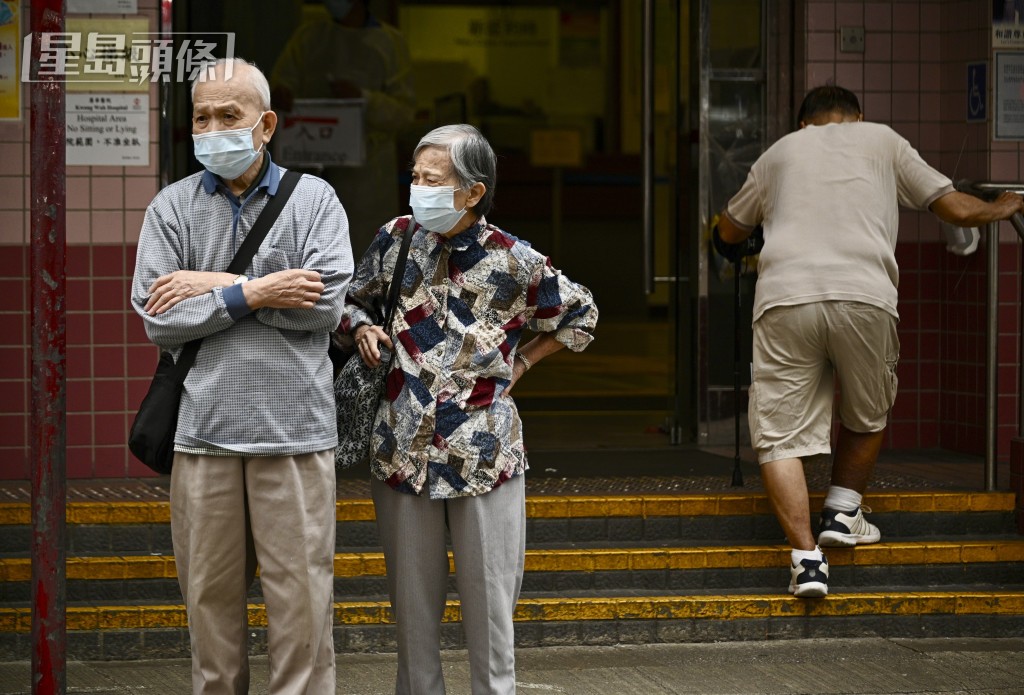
<point>227,514</point>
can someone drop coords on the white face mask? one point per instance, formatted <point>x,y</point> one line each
<point>434,207</point>
<point>227,153</point>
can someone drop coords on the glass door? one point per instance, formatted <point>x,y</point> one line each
<point>557,88</point>
<point>734,98</point>
<point>598,111</point>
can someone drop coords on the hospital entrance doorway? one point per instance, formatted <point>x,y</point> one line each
<point>595,111</point>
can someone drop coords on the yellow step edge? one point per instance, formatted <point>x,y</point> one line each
<point>721,607</point>
<point>587,560</point>
<point>558,507</point>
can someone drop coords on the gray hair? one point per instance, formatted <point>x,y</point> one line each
<point>472,158</point>
<point>254,76</point>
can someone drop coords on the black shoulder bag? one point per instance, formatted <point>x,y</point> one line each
<point>358,388</point>
<point>151,438</point>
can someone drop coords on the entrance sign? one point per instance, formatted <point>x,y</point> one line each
<point>322,133</point>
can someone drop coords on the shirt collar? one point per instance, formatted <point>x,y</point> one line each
<point>271,179</point>
<point>464,239</point>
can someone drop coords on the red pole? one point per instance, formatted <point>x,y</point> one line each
<point>49,409</point>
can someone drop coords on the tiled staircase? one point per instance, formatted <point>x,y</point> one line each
<point>599,570</point>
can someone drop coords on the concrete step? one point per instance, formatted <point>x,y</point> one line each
<point>983,562</point>
<point>600,569</point>
<point>143,526</point>
<point>160,630</point>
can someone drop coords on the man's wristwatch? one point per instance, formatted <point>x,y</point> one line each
<point>239,280</point>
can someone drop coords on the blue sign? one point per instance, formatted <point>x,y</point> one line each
<point>977,92</point>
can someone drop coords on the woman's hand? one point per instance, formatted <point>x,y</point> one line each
<point>368,340</point>
<point>174,287</point>
<point>518,369</point>
<point>530,354</point>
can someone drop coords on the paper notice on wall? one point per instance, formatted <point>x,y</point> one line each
<point>101,55</point>
<point>1009,96</point>
<point>103,6</point>
<point>107,129</point>
<point>10,84</point>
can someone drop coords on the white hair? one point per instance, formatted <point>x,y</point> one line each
<point>247,71</point>
<point>472,158</point>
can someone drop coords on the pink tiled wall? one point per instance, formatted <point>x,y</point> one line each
<point>109,359</point>
<point>912,76</point>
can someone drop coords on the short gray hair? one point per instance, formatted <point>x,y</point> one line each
<point>254,76</point>
<point>472,158</point>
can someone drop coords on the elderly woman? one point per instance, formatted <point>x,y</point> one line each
<point>448,442</point>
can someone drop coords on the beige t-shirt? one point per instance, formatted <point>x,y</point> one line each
<point>828,199</point>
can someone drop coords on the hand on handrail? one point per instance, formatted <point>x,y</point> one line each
<point>997,192</point>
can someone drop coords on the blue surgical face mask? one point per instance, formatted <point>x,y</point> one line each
<point>227,153</point>
<point>434,207</point>
<point>339,9</point>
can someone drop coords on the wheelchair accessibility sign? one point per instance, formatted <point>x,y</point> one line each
<point>977,92</point>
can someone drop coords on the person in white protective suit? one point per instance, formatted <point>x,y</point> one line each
<point>348,55</point>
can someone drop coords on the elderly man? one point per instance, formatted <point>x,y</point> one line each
<point>253,476</point>
<point>825,307</point>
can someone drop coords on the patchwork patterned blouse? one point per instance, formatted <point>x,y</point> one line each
<point>445,425</point>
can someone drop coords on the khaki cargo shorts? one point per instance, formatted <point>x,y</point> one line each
<point>799,353</point>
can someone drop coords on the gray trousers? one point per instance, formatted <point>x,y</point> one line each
<point>488,535</point>
<point>228,512</point>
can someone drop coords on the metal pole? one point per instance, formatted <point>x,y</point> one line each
<point>988,190</point>
<point>991,354</point>
<point>737,472</point>
<point>647,146</point>
<point>48,417</point>
<point>556,213</point>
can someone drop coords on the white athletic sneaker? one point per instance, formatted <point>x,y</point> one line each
<point>846,529</point>
<point>809,578</point>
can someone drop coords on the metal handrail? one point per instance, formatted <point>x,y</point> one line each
<point>989,190</point>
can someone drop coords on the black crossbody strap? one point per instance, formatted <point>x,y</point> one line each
<point>396,279</point>
<point>260,228</point>
<point>243,257</point>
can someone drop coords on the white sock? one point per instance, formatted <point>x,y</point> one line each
<point>797,555</point>
<point>843,499</point>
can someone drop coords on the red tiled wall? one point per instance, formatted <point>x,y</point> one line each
<point>109,361</point>
<point>912,76</point>
<point>14,367</point>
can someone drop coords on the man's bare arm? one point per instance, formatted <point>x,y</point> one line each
<point>731,232</point>
<point>966,210</point>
